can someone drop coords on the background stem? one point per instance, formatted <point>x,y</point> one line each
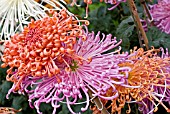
<point>145,7</point>
<point>138,23</point>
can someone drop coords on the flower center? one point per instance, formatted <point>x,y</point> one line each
<point>74,65</point>
<point>33,35</point>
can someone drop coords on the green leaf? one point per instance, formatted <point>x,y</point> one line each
<point>157,38</point>
<point>46,108</point>
<point>18,102</point>
<point>4,87</point>
<point>125,28</point>
<point>64,109</point>
<point>124,31</point>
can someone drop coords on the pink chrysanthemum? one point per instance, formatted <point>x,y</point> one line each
<point>161,15</point>
<point>93,72</point>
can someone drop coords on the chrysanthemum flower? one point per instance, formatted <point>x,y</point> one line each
<point>161,15</point>
<point>94,72</point>
<point>42,43</point>
<point>148,71</point>
<point>162,92</point>
<point>147,106</point>
<point>14,14</point>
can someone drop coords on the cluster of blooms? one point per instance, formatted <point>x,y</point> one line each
<point>55,59</point>
<point>161,15</point>
<point>151,73</point>
<point>91,75</point>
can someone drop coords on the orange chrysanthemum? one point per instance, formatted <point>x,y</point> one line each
<point>147,70</point>
<point>44,42</point>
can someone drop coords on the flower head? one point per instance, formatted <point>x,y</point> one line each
<point>160,91</point>
<point>90,69</point>
<point>42,43</point>
<point>14,14</point>
<point>148,71</point>
<point>161,15</point>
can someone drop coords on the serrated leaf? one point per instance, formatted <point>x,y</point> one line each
<point>124,31</point>
<point>157,38</point>
<point>100,19</point>
<point>125,28</point>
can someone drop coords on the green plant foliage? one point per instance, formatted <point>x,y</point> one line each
<point>4,87</point>
<point>124,31</point>
<point>157,38</point>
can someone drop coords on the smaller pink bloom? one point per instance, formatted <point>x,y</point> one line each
<point>161,15</point>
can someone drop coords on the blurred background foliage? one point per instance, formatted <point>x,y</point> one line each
<point>117,22</point>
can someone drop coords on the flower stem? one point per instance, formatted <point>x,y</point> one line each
<point>98,103</point>
<point>145,7</point>
<point>138,23</point>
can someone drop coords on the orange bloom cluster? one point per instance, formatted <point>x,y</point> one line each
<point>41,44</point>
<point>147,70</point>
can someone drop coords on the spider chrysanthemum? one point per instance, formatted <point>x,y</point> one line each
<point>161,15</point>
<point>162,92</point>
<point>14,14</point>
<point>148,71</point>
